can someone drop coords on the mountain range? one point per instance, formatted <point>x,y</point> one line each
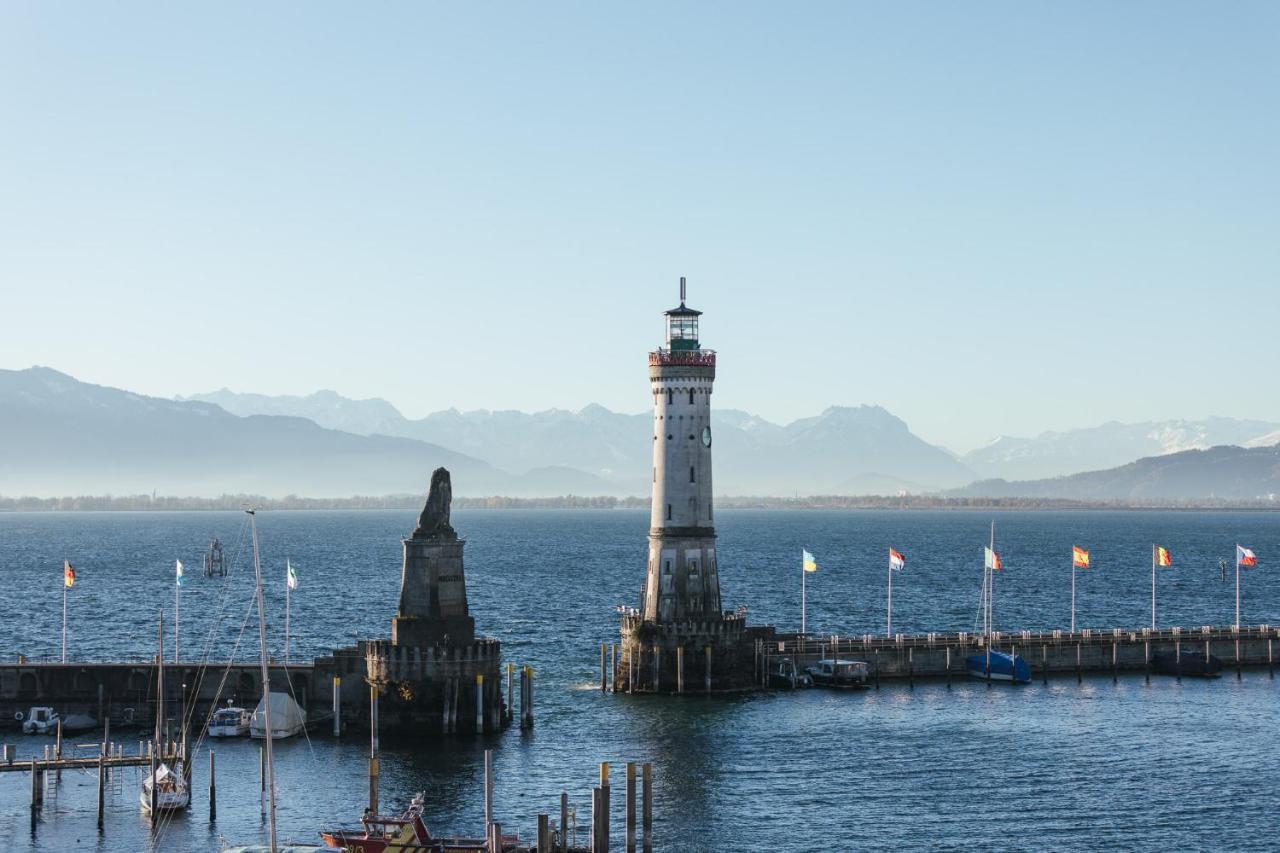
<point>63,437</point>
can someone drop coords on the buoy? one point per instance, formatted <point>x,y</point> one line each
<point>17,715</point>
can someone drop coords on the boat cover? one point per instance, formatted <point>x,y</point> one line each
<point>287,717</point>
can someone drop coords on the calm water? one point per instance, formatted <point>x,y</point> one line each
<point>1188,765</point>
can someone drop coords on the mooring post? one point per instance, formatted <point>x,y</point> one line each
<point>375,770</point>
<point>544,832</point>
<point>155,788</point>
<point>37,794</point>
<point>597,814</point>
<point>213,790</point>
<point>8,753</point>
<point>631,808</point>
<point>337,706</point>
<point>511,706</point>
<point>707,675</point>
<point>495,838</point>
<point>646,808</point>
<point>102,788</point>
<point>262,781</point>
<point>604,805</point>
<point>564,822</point>
<point>488,787</point>
<point>479,703</point>
<point>679,669</point>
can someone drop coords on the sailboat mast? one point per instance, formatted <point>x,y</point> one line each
<point>991,581</point>
<point>266,681</point>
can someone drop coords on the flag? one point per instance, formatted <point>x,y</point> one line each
<point>178,571</point>
<point>290,577</point>
<point>1163,557</point>
<point>993,559</point>
<point>1245,557</point>
<point>896,560</point>
<point>68,574</point>
<point>810,564</point>
<point>1079,557</point>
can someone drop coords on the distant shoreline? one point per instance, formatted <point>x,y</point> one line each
<point>149,503</point>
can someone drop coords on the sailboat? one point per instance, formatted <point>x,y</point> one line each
<point>166,788</point>
<point>992,664</point>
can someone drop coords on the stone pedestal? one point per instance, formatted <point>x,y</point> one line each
<point>433,595</point>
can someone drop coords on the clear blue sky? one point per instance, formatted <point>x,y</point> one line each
<point>988,218</point>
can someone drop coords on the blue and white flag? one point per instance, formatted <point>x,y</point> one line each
<point>290,577</point>
<point>178,572</point>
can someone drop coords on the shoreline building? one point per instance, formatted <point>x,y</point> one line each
<point>679,639</point>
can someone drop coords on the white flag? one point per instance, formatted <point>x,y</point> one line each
<point>290,577</point>
<point>179,572</point>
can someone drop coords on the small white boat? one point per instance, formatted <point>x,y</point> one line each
<point>171,791</point>
<point>230,722</point>
<point>287,717</point>
<point>39,721</point>
<point>835,672</point>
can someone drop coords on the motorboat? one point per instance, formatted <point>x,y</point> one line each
<point>230,722</point>
<point>287,717</point>
<point>171,790</point>
<point>999,666</point>
<point>785,675</point>
<point>405,833</point>
<point>78,723</point>
<point>1190,663</point>
<point>39,721</point>
<point>837,672</point>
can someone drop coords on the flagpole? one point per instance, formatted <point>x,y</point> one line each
<point>888,629</point>
<point>1073,592</point>
<point>64,618</point>
<point>1237,586</point>
<point>286,611</point>
<point>802,601</point>
<point>177,615</point>
<point>1153,586</point>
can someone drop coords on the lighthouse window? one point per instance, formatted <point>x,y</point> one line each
<point>690,396</point>
<point>691,479</point>
<point>668,396</point>
<point>668,512</point>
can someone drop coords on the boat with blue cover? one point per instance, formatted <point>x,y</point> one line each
<point>999,666</point>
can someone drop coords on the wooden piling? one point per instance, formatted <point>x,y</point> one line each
<point>604,806</point>
<point>564,822</point>
<point>544,832</point>
<point>337,706</point>
<point>102,788</point>
<point>511,706</point>
<point>631,808</point>
<point>679,669</point>
<point>646,808</point>
<point>597,816</point>
<point>37,787</point>
<point>213,790</point>
<point>488,787</point>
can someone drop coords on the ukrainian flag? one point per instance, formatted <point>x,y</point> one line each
<point>810,564</point>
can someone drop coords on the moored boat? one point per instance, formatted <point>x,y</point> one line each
<point>785,675</point>
<point>230,722</point>
<point>287,717</point>
<point>171,791</point>
<point>999,666</point>
<point>837,672</point>
<point>405,833</point>
<point>1190,663</point>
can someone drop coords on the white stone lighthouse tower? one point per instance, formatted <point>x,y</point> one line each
<point>682,582</point>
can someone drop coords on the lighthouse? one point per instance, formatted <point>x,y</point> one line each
<point>681,579</point>
<point>679,640</point>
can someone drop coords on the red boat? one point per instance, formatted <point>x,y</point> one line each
<point>407,833</point>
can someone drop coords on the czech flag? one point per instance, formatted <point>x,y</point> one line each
<point>896,560</point>
<point>810,564</point>
<point>1245,557</point>
<point>1079,557</point>
<point>68,574</point>
<point>993,560</point>
<point>1163,557</point>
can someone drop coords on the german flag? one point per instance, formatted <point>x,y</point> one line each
<point>1079,557</point>
<point>1163,558</point>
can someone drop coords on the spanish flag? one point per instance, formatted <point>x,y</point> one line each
<point>1079,557</point>
<point>810,564</point>
<point>68,574</point>
<point>1163,558</point>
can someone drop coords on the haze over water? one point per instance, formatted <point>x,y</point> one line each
<point>1140,766</point>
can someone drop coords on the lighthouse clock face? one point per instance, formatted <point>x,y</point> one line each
<point>706,436</point>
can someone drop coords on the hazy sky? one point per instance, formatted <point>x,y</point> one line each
<point>988,218</point>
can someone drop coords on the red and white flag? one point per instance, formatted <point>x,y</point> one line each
<point>1245,557</point>
<point>896,560</point>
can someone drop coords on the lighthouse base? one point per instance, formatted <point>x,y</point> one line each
<point>698,656</point>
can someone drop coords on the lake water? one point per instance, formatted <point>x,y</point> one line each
<point>1135,765</point>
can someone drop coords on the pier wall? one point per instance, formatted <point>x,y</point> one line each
<point>1048,652</point>
<point>689,656</point>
